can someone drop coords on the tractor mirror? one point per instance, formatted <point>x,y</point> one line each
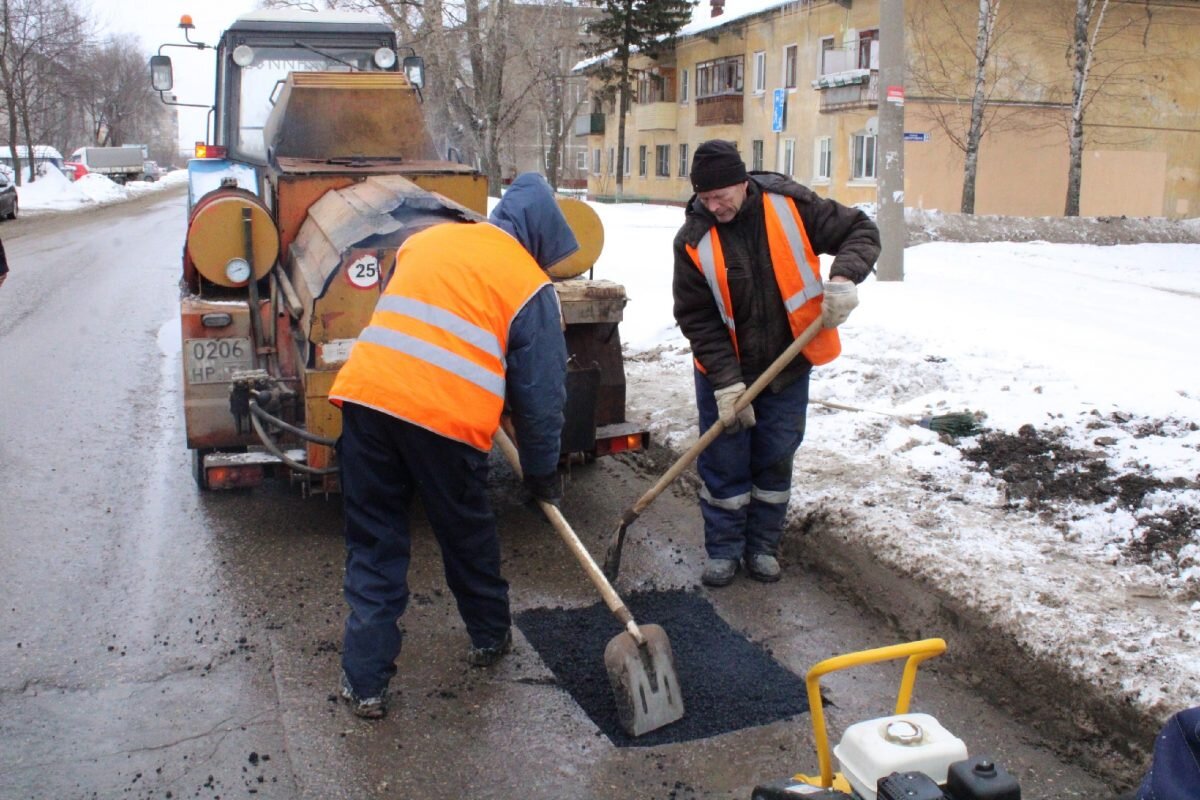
<point>414,70</point>
<point>161,78</point>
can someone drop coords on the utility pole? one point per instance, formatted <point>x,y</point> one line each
<point>890,146</point>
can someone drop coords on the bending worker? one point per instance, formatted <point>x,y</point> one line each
<point>747,282</point>
<point>467,320</point>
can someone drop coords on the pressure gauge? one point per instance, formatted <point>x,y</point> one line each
<point>237,270</point>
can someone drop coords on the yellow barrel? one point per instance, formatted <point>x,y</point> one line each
<point>585,222</point>
<point>216,236</point>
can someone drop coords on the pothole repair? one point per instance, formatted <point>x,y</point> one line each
<point>728,682</point>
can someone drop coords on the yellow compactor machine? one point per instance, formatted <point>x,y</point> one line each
<point>317,167</point>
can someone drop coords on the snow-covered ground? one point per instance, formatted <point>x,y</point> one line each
<point>53,191</point>
<point>1091,347</point>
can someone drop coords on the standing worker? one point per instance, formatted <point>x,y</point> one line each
<point>468,320</point>
<point>747,282</point>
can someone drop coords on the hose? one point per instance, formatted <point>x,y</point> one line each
<point>274,450</point>
<point>259,411</point>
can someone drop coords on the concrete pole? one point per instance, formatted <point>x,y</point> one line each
<point>890,146</point>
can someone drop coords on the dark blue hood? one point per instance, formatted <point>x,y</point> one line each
<point>529,212</point>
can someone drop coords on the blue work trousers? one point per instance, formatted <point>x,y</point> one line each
<point>384,462</point>
<point>748,475</point>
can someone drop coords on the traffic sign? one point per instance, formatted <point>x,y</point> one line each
<point>779,111</point>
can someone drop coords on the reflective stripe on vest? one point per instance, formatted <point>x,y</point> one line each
<point>434,353</point>
<point>797,275</point>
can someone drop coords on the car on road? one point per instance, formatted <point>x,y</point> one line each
<point>151,171</point>
<point>8,196</point>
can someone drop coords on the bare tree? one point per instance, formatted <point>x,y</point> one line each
<point>36,38</point>
<point>970,79</point>
<point>117,98</point>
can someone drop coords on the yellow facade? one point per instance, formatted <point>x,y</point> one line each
<point>1142,127</point>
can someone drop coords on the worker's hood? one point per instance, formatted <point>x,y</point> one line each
<point>529,212</point>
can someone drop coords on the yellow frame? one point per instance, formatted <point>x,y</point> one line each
<point>915,652</point>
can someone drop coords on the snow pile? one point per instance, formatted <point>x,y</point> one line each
<point>53,191</point>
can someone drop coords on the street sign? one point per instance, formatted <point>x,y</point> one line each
<point>895,94</point>
<point>779,111</point>
<point>912,136</point>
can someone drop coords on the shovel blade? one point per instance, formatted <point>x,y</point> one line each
<point>643,679</point>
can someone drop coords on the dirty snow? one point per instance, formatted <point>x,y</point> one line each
<point>1096,341</point>
<point>53,191</point>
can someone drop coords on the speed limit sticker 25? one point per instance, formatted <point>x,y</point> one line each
<point>363,272</point>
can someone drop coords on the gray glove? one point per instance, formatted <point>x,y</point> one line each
<point>734,420</point>
<point>841,297</point>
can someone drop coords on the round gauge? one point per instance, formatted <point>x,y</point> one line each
<point>385,58</point>
<point>243,55</point>
<point>238,270</point>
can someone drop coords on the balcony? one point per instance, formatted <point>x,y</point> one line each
<point>841,91</point>
<point>587,124</point>
<point>721,109</point>
<point>655,116</point>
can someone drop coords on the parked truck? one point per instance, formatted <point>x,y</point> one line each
<point>317,168</point>
<point>119,164</point>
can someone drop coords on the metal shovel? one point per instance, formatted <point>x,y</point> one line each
<point>612,558</point>
<point>639,661</point>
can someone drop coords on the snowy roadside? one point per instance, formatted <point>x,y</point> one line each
<point>54,192</point>
<point>1059,580</point>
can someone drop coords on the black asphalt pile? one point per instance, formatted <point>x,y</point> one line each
<point>728,681</point>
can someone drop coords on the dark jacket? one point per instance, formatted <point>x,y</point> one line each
<point>762,325</point>
<point>536,361</point>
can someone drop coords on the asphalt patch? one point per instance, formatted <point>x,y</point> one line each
<point>728,682</point>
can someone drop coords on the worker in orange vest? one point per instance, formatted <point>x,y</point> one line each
<point>468,322</point>
<point>747,282</point>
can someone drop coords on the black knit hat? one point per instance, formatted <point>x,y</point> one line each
<point>715,165</point>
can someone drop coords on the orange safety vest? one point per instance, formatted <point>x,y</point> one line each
<point>797,273</point>
<point>434,351</point>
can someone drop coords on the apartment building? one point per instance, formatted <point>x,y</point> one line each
<point>795,85</point>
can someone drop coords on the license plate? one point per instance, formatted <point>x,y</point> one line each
<point>215,360</point>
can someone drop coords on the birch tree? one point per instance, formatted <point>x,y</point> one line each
<point>960,64</point>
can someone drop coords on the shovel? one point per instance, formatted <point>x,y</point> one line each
<point>639,661</point>
<point>612,558</point>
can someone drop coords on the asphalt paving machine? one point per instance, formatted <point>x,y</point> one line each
<point>904,756</point>
<point>317,165</point>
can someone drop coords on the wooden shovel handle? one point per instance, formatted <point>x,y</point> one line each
<point>611,598</point>
<point>693,452</point>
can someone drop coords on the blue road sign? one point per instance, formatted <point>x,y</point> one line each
<point>778,117</point>
<point>910,136</point>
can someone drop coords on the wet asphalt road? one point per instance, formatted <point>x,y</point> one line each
<point>159,642</point>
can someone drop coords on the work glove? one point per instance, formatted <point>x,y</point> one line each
<point>547,488</point>
<point>734,420</point>
<point>841,297</point>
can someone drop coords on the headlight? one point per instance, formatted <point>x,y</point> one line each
<point>385,58</point>
<point>243,55</point>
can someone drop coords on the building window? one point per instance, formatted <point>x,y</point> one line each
<point>655,87</point>
<point>596,161</point>
<point>787,157</point>
<point>760,72</point>
<point>581,161</point>
<point>612,161</point>
<point>828,57</point>
<point>722,76</point>
<point>662,160</point>
<point>642,161</point>
<point>866,49</point>
<point>684,164</point>
<point>823,160</point>
<point>789,66</point>
<point>756,154</point>
<point>627,166</point>
<point>862,157</point>
<point>683,86</point>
